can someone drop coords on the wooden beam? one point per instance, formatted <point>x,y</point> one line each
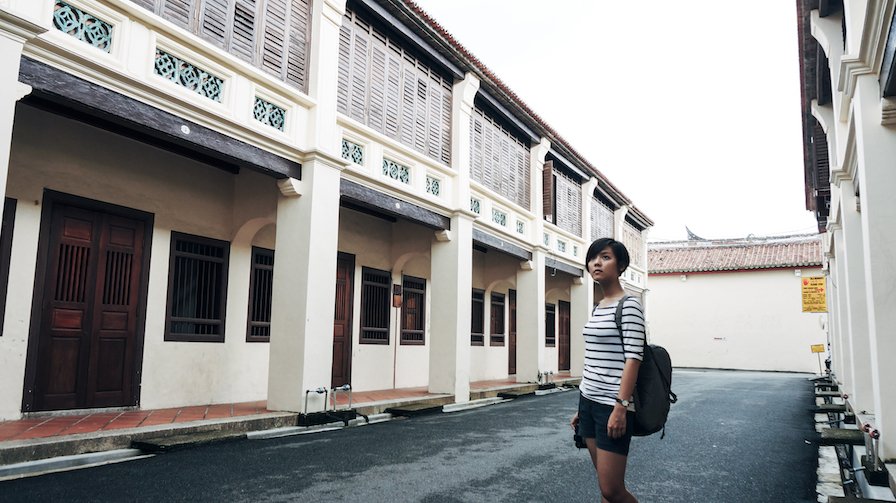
<point>360,196</point>
<point>492,242</point>
<point>63,93</point>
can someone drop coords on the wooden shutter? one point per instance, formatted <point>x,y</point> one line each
<point>393,93</point>
<point>214,22</point>
<point>359,78</point>
<point>297,54</point>
<point>377,107</point>
<point>146,4</point>
<point>242,42</point>
<point>179,12</point>
<point>547,183</point>
<point>345,65</point>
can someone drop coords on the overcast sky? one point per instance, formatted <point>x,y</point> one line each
<point>691,109</point>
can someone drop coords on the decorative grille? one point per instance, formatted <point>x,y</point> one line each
<point>601,220</point>
<point>413,310</point>
<point>83,26</point>
<point>117,291</point>
<point>433,185</point>
<point>387,88</point>
<point>352,152</point>
<point>561,246</point>
<point>477,319</point>
<point>546,239</point>
<point>261,295</point>
<point>396,171</point>
<point>498,160</point>
<point>475,205</point>
<point>197,288</point>
<point>188,75</point>
<point>272,35</point>
<point>499,217</point>
<point>634,242</point>
<point>72,272</point>
<point>496,337</point>
<point>569,204</point>
<point>269,114</point>
<point>520,227</point>
<point>375,305</point>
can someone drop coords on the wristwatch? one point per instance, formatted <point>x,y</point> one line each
<point>624,403</point>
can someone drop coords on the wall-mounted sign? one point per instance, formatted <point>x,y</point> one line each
<point>814,299</point>
<point>818,348</point>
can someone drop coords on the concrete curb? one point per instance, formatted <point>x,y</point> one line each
<point>63,463</point>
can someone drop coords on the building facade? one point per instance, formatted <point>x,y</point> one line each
<point>212,201</point>
<point>736,303</point>
<point>848,77</point>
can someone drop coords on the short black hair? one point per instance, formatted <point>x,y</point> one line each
<point>619,250</point>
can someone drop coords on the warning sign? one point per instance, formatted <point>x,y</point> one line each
<point>814,299</point>
<point>818,348</point>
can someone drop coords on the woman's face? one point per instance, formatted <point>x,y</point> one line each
<point>604,266</point>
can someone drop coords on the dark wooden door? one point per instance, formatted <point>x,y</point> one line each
<point>342,320</point>
<point>87,348</point>
<point>563,335</point>
<point>511,334</point>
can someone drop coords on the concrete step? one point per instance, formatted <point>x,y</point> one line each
<point>414,409</point>
<point>513,394</point>
<point>829,407</point>
<point>163,444</point>
<point>852,499</point>
<point>826,394</point>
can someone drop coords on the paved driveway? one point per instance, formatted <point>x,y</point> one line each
<point>733,437</point>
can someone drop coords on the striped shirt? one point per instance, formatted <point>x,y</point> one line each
<point>605,354</point>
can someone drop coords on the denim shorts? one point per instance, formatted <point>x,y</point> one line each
<point>593,418</point>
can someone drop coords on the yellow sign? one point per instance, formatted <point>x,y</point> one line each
<point>814,299</point>
<point>818,348</point>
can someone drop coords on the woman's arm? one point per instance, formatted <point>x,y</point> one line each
<point>616,424</point>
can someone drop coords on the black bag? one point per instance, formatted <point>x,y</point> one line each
<point>653,391</point>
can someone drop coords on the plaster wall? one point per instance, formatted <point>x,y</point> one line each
<point>185,196</point>
<point>735,320</point>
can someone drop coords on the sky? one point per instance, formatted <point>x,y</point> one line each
<point>691,109</point>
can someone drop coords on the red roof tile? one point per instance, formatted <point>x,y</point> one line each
<point>733,255</point>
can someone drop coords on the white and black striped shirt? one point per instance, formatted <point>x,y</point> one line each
<point>605,354</point>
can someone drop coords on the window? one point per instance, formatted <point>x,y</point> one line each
<point>197,289</point>
<point>261,285</point>
<point>550,335</point>
<point>497,326</point>
<point>9,218</point>
<point>499,160</point>
<point>413,310</point>
<point>477,319</point>
<point>375,304</point>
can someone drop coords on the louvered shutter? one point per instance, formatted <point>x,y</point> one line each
<point>446,125</point>
<point>146,4</point>
<point>393,94</point>
<point>476,148</point>
<point>408,93</point>
<point>213,21</point>
<point>420,114</point>
<point>377,106</point>
<point>434,123</point>
<point>297,55</point>
<point>242,41</point>
<point>547,183</point>
<point>345,65</point>
<point>358,89</point>
<point>179,12</point>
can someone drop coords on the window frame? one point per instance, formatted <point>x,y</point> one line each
<point>253,293</point>
<point>477,338</point>
<point>550,313</point>
<point>224,260</point>
<point>497,334</point>
<point>386,289</point>
<point>420,316</point>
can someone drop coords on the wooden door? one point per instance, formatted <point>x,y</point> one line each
<point>511,334</point>
<point>342,321</point>
<point>563,335</point>
<point>87,354</point>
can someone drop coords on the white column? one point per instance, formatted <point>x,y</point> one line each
<point>530,299</point>
<point>863,390</point>
<point>452,279</point>
<point>582,302</point>
<point>15,32</point>
<point>875,150</point>
<point>301,347</point>
<point>846,361</point>
<point>619,221</point>
<point>323,74</point>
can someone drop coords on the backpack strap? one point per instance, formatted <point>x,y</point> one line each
<point>619,308</point>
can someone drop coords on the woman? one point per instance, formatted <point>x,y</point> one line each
<point>605,417</point>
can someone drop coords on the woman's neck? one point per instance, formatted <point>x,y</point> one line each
<point>612,291</point>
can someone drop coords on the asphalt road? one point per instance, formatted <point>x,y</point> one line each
<point>733,437</point>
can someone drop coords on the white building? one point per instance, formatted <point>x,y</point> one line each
<point>848,77</point>
<point>736,303</point>
<point>191,183</point>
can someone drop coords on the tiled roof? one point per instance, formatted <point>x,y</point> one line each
<point>734,255</point>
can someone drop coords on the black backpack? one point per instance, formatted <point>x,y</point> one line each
<point>653,391</point>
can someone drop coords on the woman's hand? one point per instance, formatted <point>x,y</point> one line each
<point>616,423</point>
<point>574,422</point>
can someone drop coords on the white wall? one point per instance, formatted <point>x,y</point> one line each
<point>67,156</point>
<point>735,320</point>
